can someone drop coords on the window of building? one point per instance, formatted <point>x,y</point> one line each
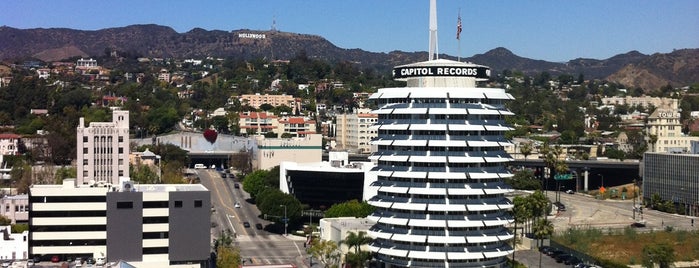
<point>178,203</point>
<point>124,205</point>
<point>85,150</point>
<point>84,138</point>
<point>121,150</point>
<point>121,138</point>
<point>197,203</point>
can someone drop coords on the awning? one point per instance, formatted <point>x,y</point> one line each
<point>406,174</point>
<point>394,158</point>
<point>464,255</point>
<point>497,190</point>
<point>409,238</point>
<point>483,175</point>
<point>431,191</point>
<point>448,111</point>
<point>394,221</point>
<point>410,111</point>
<point>394,252</point>
<point>483,144</point>
<point>380,204</point>
<point>497,128</point>
<point>464,223</point>
<point>434,94</point>
<point>410,143</point>
<point>495,222</point>
<point>382,111</point>
<point>410,206</point>
<point>481,207</point>
<point>394,127</point>
<point>483,111</point>
<point>462,127</point>
<point>427,255</point>
<point>428,159</point>
<point>445,143</point>
<point>446,207</point>
<point>383,235</point>
<point>465,159</point>
<point>393,189</point>
<point>496,254</point>
<point>427,223</point>
<point>382,142</point>
<point>504,112</point>
<point>445,175</point>
<point>465,191</point>
<point>497,159</point>
<point>481,239</point>
<point>442,127</point>
<point>466,94</point>
<point>446,239</point>
<point>499,95</point>
<point>392,94</point>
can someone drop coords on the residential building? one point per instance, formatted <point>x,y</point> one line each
<point>255,100</point>
<point>441,168</point>
<point>257,123</point>
<point>147,225</point>
<point>13,246</point>
<point>673,177</point>
<point>164,75</point>
<point>15,207</point>
<point>645,101</point>
<point>9,144</point>
<point>354,132</point>
<point>86,64</point>
<point>272,151</point>
<point>664,131</point>
<point>103,149</point>
<point>296,126</point>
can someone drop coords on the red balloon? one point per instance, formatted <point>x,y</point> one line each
<point>210,135</point>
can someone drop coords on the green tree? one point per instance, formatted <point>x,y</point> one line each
<point>524,179</point>
<point>254,183</point>
<point>356,240</point>
<point>326,252</point>
<point>526,149</point>
<point>352,208</point>
<point>662,255</point>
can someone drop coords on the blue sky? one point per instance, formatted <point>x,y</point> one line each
<point>550,30</point>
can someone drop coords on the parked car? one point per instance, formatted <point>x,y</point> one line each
<point>259,226</point>
<point>237,186</point>
<point>563,257</point>
<point>572,261</point>
<point>246,224</point>
<point>55,258</point>
<point>237,205</point>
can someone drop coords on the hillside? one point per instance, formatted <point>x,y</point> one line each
<point>632,68</point>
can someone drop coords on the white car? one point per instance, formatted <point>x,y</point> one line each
<point>237,205</point>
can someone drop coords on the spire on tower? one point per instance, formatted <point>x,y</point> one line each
<point>434,51</point>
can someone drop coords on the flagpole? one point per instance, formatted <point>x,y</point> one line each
<point>458,36</point>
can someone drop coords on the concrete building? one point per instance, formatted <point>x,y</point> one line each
<point>15,208</point>
<point>664,125</point>
<point>645,101</point>
<point>323,184</point>
<point>146,225</point>
<point>261,123</point>
<point>255,100</point>
<point>13,246</point>
<point>354,132</point>
<point>103,149</point>
<point>9,144</point>
<point>271,152</point>
<point>441,167</point>
<point>336,230</point>
<point>674,177</point>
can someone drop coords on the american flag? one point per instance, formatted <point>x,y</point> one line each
<point>458,28</point>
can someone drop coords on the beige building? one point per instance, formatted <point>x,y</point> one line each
<point>271,152</point>
<point>664,125</point>
<point>354,132</point>
<point>9,143</point>
<point>261,123</point>
<point>103,149</point>
<point>15,208</point>
<point>644,101</point>
<point>255,100</point>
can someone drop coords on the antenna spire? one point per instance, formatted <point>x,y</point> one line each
<point>434,52</point>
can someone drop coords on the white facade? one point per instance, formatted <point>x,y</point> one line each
<point>337,229</point>
<point>271,152</point>
<point>9,144</point>
<point>664,124</point>
<point>103,149</point>
<point>13,246</point>
<point>15,207</point>
<point>354,132</point>
<point>441,163</point>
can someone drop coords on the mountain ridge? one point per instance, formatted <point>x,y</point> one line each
<point>151,40</point>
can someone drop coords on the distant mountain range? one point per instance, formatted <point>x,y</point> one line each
<point>633,69</point>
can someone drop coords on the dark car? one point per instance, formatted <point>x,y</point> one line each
<point>556,252</point>
<point>563,257</point>
<point>224,175</point>
<point>259,226</point>
<point>545,249</point>
<point>572,261</point>
<point>246,224</point>
<point>237,186</point>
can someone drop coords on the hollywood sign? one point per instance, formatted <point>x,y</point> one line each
<point>252,36</point>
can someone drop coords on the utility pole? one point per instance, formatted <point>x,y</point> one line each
<point>286,220</point>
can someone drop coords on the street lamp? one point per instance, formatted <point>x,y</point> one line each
<point>285,219</point>
<point>602,179</point>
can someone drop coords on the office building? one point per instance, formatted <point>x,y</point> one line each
<point>673,177</point>
<point>163,225</point>
<point>103,150</point>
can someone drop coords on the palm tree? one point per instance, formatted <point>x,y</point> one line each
<point>526,149</point>
<point>542,229</point>
<point>356,240</point>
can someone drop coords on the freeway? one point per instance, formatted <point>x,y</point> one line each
<point>257,246</point>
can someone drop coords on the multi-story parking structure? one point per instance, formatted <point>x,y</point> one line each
<point>441,164</point>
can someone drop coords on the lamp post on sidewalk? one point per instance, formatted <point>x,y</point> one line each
<point>286,220</point>
<point>602,176</point>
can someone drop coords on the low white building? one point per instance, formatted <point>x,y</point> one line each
<point>13,246</point>
<point>337,229</point>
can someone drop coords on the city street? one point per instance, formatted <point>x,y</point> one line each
<point>257,246</point>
